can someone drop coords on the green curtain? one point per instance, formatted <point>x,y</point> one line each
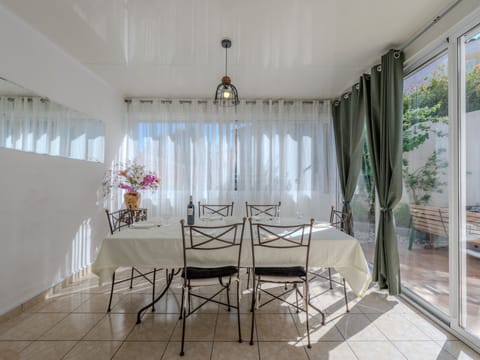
<point>348,125</point>
<point>383,104</point>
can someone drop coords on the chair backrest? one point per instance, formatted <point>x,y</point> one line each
<point>117,220</point>
<point>340,220</point>
<point>292,241</point>
<point>219,210</point>
<point>139,215</point>
<point>272,210</point>
<point>212,246</point>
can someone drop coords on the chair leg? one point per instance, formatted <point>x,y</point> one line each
<point>153,289</point>
<point>248,277</point>
<point>253,309</point>
<point>296,295</point>
<point>330,277</point>
<point>111,293</point>
<point>189,299</point>
<point>345,293</point>
<point>228,298</point>
<point>181,304</point>
<point>184,311</point>
<point>131,279</point>
<point>305,301</point>
<point>238,313</point>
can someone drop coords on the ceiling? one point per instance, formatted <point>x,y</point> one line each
<point>9,88</point>
<point>280,48</point>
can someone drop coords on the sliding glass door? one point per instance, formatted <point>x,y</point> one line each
<point>438,219</point>
<point>422,215</point>
<point>469,249</point>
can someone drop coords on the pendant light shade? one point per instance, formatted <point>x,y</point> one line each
<point>226,94</point>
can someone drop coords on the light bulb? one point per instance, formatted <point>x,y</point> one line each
<point>226,93</point>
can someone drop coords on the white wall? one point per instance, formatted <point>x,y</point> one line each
<point>50,223</point>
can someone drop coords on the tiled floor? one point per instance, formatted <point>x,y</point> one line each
<point>73,324</point>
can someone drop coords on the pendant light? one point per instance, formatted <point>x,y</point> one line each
<point>226,94</point>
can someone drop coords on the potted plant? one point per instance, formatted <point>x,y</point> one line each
<point>132,177</point>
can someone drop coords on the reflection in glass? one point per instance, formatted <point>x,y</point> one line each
<point>35,124</point>
<point>470,229</point>
<point>422,215</point>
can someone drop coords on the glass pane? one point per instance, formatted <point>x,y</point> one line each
<point>470,244</point>
<point>422,215</point>
<point>363,207</point>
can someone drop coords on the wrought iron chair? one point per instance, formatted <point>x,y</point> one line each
<point>221,245</point>
<point>269,242</point>
<point>138,215</point>
<point>267,210</point>
<point>118,220</point>
<point>219,210</point>
<point>263,210</point>
<point>341,221</point>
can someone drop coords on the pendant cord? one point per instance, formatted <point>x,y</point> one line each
<point>226,61</point>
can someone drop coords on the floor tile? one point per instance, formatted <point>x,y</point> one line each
<point>131,303</point>
<point>144,350</point>
<point>432,330</point>
<point>97,303</point>
<point>281,351</point>
<point>10,350</point>
<point>331,350</point>
<point>357,327</point>
<point>89,350</point>
<point>72,327</point>
<point>378,350</point>
<point>154,327</point>
<point>422,350</point>
<point>397,327</point>
<point>50,350</point>
<point>60,303</point>
<point>234,351</point>
<point>276,327</point>
<point>195,350</point>
<point>227,327</point>
<point>112,327</point>
<point>73,324</point>
<point>459,350</point>
<point>318,332</point>
<point>377,302</point>
<point>198,327</point>
<point>32,326</point>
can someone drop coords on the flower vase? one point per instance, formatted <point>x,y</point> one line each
<point>132,200</point>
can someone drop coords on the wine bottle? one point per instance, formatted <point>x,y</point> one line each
<point>190,212</point>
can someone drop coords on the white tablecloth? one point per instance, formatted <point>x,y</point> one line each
<point>161,247</point>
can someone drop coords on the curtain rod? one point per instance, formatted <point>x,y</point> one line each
<point>430,25</point>
<point>25,97</point>
<point>181,101</point>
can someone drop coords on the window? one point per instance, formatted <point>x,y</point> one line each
<point>261,151</point>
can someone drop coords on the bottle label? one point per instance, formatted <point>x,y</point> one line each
<point>190,212</point>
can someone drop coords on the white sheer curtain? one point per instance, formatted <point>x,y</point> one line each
<point>261,151</point>
<point>35,124</point>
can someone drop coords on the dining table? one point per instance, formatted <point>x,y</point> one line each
<point>158,245</point>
